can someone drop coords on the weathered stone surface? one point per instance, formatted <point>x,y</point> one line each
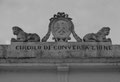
<point>59,52</point>
<point>3,51</point>
<point>61,26</point>
<point>100,36</point>
<point>116,51</point>
<point>23,36</point>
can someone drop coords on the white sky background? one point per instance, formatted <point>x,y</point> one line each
<point>33,16</point>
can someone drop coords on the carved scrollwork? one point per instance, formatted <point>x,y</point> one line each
<point>46,37</point>
<point>61,27</point>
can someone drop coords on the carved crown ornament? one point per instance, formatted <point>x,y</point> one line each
<point>61,27</point>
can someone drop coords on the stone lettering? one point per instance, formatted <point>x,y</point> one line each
<point>64,47</point>
<point>27,47</point>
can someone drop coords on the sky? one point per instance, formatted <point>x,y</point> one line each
<point>33,16</point>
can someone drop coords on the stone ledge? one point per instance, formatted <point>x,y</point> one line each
<point>58,61</point>
<point>62,67</point>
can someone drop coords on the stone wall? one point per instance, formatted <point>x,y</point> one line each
<point>59,52</point>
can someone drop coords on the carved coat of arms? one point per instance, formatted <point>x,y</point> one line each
<point>61,27</point>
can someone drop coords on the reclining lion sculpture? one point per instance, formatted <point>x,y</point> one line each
<point>23,36</point>
<point>100,36</point>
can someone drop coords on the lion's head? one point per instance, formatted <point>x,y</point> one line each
<point>16,30</point>
<point>104,31</point>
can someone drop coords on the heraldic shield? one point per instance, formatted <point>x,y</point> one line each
<point>61,27</point>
